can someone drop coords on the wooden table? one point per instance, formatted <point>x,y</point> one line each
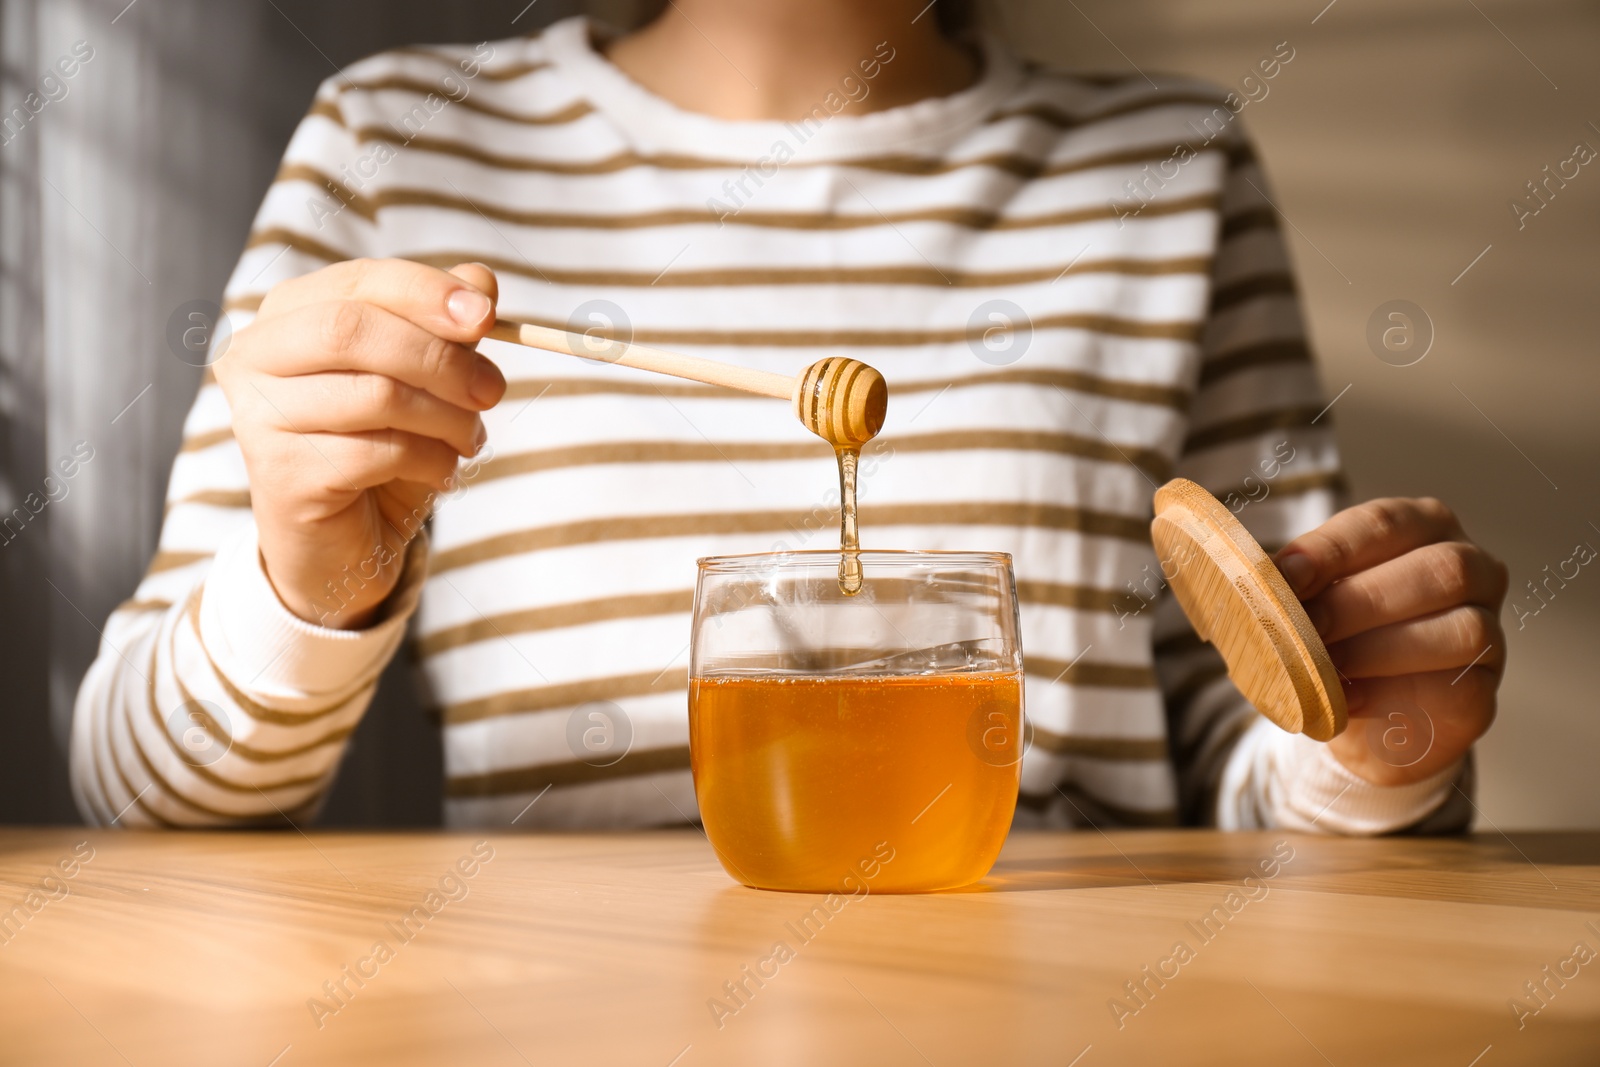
<point>214,949</point>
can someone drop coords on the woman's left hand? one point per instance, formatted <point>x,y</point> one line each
<point>1409,608</point>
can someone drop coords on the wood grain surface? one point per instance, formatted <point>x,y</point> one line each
<point>214,949</point>
<point>1238,601</point>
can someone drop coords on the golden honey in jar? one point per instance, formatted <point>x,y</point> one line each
<point>845,740</point>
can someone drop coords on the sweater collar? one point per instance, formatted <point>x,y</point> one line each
<point>657,125</point>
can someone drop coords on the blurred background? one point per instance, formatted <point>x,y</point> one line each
<point>1398,137</point>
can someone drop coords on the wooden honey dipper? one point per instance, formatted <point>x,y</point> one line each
<point>842,401</point>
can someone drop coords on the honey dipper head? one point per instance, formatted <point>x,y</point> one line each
<point>843,401</point>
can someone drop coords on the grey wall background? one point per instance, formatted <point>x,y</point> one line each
<point>1397,137</point>
<point>123,201</point>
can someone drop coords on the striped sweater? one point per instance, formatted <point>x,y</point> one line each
<point>1119,225</point>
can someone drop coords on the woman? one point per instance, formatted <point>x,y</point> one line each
<point>1075,286</point>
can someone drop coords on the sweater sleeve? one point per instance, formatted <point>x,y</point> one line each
<point>210,703</point>
<point>1260,438</point>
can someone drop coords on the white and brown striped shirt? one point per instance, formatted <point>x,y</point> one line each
<point>1125,223</point>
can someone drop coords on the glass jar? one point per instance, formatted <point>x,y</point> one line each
<point>856,743</point>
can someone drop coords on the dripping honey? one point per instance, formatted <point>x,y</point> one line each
<point>850,577</point>
<point>802,777</point>
<point>844,402</point>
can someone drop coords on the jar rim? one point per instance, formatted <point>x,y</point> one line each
<point>874,557</point>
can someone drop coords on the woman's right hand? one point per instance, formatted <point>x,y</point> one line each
<point>354,393</point>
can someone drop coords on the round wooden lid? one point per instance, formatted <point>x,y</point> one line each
<point>1238,602</point>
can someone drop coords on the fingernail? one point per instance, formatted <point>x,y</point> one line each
<point>1298,571</point>
<point>487,384</point>
<point>467,307</point>
<point>480,438</point>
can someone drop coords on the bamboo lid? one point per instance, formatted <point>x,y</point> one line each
<point>1240,603</point>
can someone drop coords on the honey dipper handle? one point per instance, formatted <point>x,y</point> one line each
<point>642,357</point>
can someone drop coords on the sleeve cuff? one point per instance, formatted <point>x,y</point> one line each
<point>1305,787</point>
<point>277,657</point>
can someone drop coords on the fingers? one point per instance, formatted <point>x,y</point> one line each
<point>1408,729</point>
<point>1430,579</point>
<point>357,461</point>
<point>455,307</point>
<point>1362,537</point>
<point>350,402</point>
<point>1447,639</point>
<point>1446,693</point>
<point>350,335</point>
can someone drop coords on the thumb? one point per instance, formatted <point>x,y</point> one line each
<point>479,277</point>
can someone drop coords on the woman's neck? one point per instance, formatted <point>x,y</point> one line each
<point>779,59</point>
